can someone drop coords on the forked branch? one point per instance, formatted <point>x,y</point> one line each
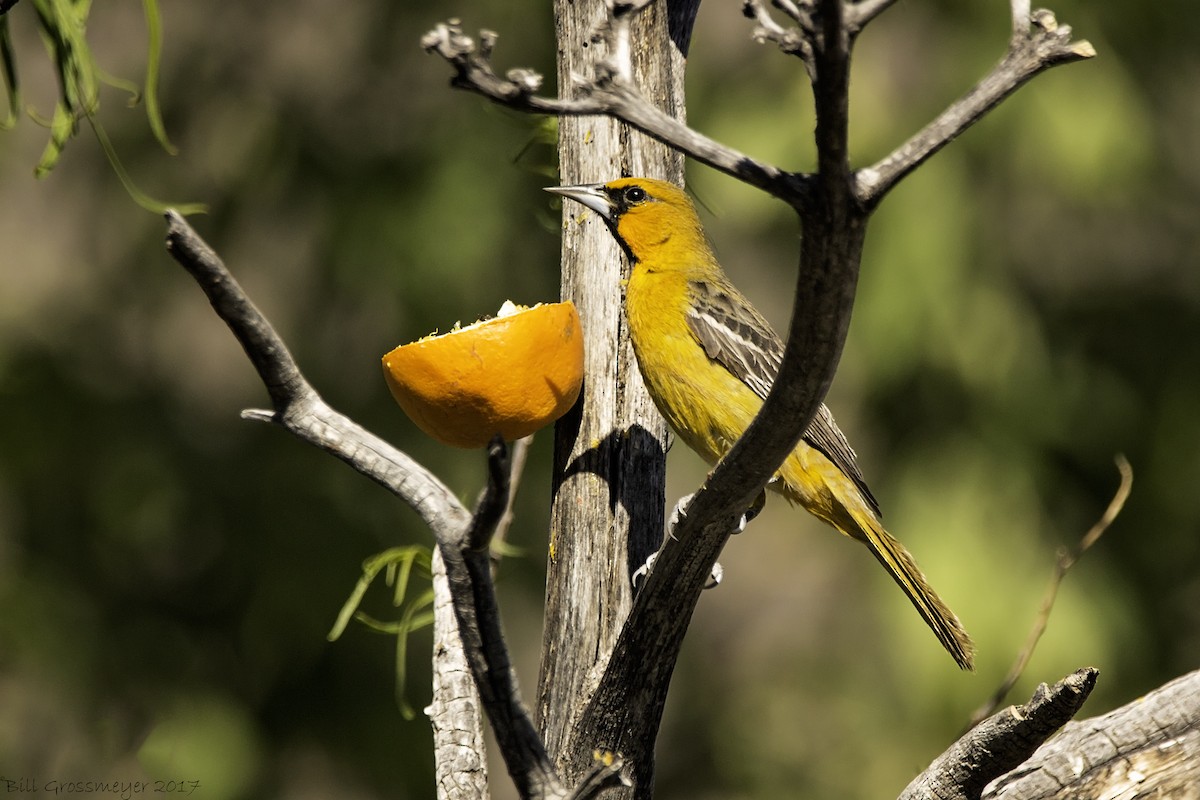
<point>1002,742</point>
<point>834,205</point>
<point>462,538</point>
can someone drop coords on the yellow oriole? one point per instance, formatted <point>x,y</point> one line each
<point>709,358</point>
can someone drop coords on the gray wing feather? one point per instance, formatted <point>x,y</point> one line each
<point>735,335</point>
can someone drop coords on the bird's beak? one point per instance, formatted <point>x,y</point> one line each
<point>592,195</point>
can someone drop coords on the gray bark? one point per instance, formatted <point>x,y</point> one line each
<point>607,513</point>
<point>1149,748</point>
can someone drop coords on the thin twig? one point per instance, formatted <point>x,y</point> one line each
<point>493,500</point>
<point>800,14</point>
<point>518,456</point>
<point>1066,560</point>
<point>795,41</point>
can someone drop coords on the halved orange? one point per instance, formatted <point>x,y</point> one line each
<point>511,374</point>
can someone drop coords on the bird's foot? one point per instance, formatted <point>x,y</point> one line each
<point>643,572</point>
<point>677,514</point>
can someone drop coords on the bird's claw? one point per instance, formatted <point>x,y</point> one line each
<point>677,514</point>
<point>643,572</point>
<point>753,511</point>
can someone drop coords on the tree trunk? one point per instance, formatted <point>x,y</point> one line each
<point>607,513</point>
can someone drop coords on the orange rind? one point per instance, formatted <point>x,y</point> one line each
<point>512,374</point>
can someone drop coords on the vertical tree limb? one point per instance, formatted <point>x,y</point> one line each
<point>607,512</point>
<point>459,753</point>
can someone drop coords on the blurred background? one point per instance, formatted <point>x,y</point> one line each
<point>1029,307</point>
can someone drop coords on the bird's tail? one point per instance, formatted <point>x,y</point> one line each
<point>904,570</point>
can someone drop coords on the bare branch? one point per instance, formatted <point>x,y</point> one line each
<point>1066,560</point>
<point>494,499</point>
<point>468,570</point>
<point>1036,48</point>
<point>800,13</point>
<point>795,41</point>
<point>1002,742</point>
<point>460,763</point>
<point>519,455</point>
<point>298,407</point>
<point>831,94</point>
<point>1020,22</point>
<point>608,95</point>
<point>462,538</point>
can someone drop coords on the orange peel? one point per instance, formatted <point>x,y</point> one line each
<point>512,374</point>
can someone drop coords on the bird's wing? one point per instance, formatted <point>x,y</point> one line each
<point>734,335</point>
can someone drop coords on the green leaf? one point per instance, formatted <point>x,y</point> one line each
<point>153,59</point>
<point>397,565</point>
<point>62,126</point>
<point>8,66</point>
<point>141,198</point>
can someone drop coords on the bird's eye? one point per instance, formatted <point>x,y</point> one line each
<point>635,194</point>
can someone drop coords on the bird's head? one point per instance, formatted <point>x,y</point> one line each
<point>652,219</point>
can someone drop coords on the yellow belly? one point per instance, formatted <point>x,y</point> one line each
<point>708,407</point>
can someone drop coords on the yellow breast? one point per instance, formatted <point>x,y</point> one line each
<point>703,402</point>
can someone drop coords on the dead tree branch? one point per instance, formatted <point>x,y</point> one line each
<point>1148,748</point>
<point>462,538</point>
<point>1001,742</point>
<point>1037,45</point>
<point>834,205</point>
<point>460,757</point>
<point>297,406</point>
<point>610,95</point>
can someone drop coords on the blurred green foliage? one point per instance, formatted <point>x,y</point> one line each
<point>1029,306</point>
<point>63,28</point>
<point>396,564</point>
